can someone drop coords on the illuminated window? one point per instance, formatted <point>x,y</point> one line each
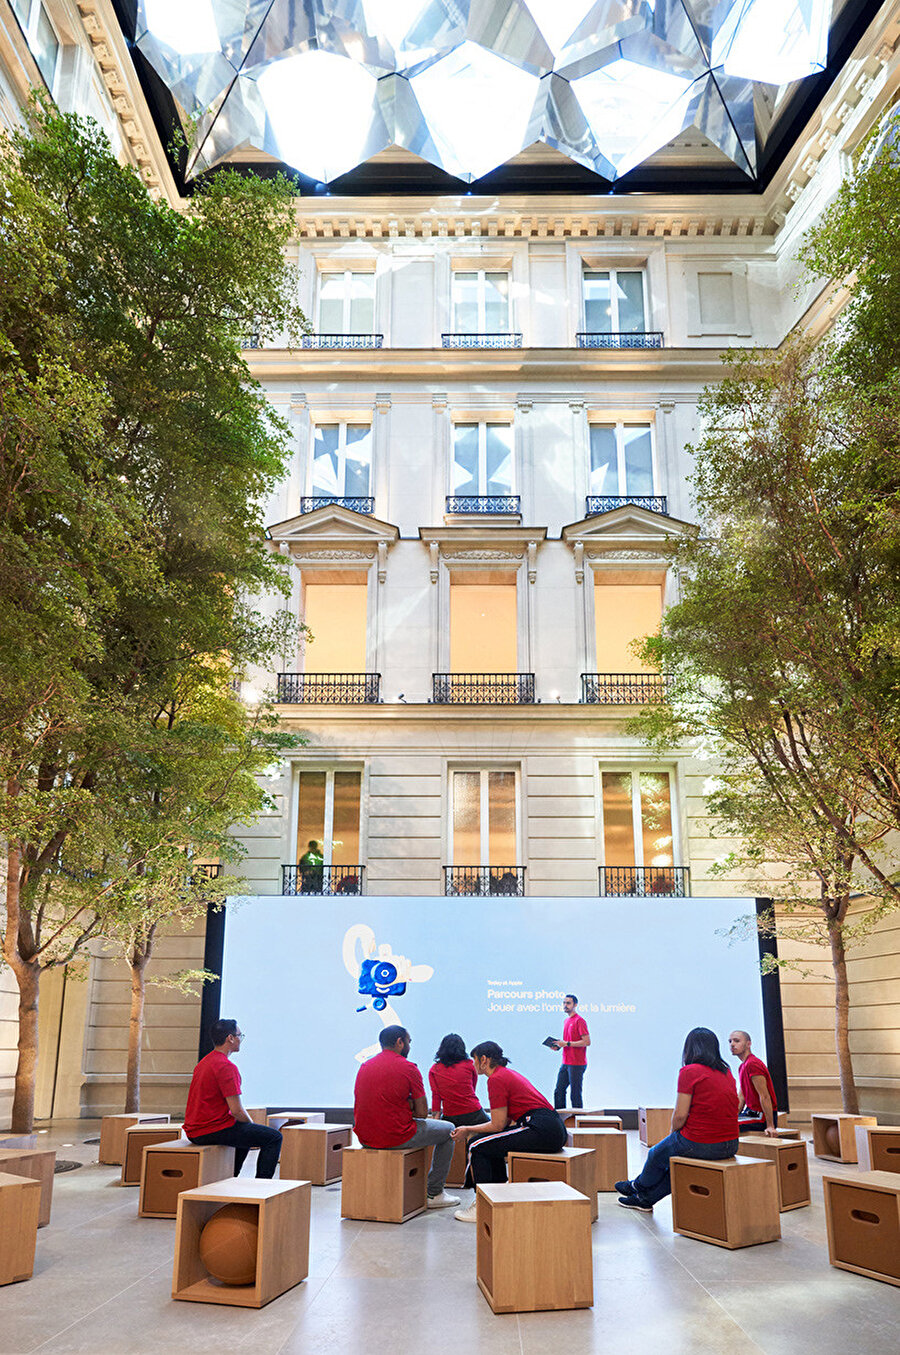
<point>483,818</point>
<point>347,303</point>
<point>328,813</point>
<point>624,613</point>
<point>637,818</point>
<point>480,302</point>
<point>614,302</point>
<point>342,460</point>
<point>483,625</point>
<point>336,615</point>
<point>482,459</point>
<point>41,36</point>
<point>621,459</point>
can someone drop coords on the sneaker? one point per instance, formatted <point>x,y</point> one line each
<point>442,1201</point>
<point>625,1188</point>
<point>635,1202</point>
<point>469,1214</point>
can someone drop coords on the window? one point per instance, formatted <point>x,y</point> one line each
<point>336,615</point>
<point>623,613</point>
<point>40,35</point>
<point>614,302</point>
<point>621,459</point>
<point>342,460</point>
<point>480,302</point>
<point>347,303</point>
<point>482,459</point>
<point>483,626</point>
<point>483,818</point>
<point>329,813</point>
<point>637,819</point>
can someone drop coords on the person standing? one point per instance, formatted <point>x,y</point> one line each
<point>390,1109</point>
<point>312,868</point>
<point>214,1113</point>
<point>574,1045</point>
<point>452,1078</point>
<point>758,1107</point>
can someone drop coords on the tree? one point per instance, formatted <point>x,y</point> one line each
<point>135,453</point>
<point>785,647</point>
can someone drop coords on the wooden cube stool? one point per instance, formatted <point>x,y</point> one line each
<point>385,1185</point>
<point>282,1240</point>
<point>112,1134</point>
<point>574,1166</point>
<point>597,1121</point>
<point>137,1138</point>
<point>834,1137</point>
<point>862,1218</point>
<point>571,1116</point>
<point>877,1148</point>
<point>534,1247</point>
<point>169,1169</point>
<point>610,1154</point>
<point>314,1152</point>
<point>20,1205</point>
<point>38,1164</point>
<point>791,1165</point>
<point>654,1123</point>
<point>278,1119</point>
<point>733,1203</point>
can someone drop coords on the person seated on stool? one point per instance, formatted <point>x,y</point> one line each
<point>704,1122</point>
<point>214,1113</point>
<point>758,1108</point>
<point>390,1109</point>
<point>522,1121</point>
<point>452,1078</point>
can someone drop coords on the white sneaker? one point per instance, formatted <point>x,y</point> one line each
<point>442,1201</point>
<point>469,1214</point>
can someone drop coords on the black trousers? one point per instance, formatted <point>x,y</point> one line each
<point>242,1137</point>
<point>470,1117</point>
<point>540,1131</point>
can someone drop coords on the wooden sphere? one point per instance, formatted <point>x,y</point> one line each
<point>228,1243</point>
<point>833,1140</point>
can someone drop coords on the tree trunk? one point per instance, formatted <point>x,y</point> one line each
<point>138,964</point>
<point>849,1097</point>
<point>28,979</point>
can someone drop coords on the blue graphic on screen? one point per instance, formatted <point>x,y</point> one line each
<point>378,979</point>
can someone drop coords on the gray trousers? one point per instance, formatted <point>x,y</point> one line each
<point>436,1132</point>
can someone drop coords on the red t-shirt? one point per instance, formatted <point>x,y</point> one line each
<point>382,1115</point>
<point>215,1077</point>
<point>712,1117</point>
<point>750,1068</point>
<point>575,1029</point>
<point>511,1089</point>
<point>453,1088</point>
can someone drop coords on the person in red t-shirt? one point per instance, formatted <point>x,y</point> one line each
<point>574,1046</point>
<point>758,1107</point>
<point>214,1113</point>
<point>522,1120</point>
<point>452,1078</point>
<point>390,1109</point>
<point>704,1121</point>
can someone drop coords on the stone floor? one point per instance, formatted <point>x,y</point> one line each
<point>102,1284</point>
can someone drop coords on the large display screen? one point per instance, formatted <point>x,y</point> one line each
<point>312,982</point>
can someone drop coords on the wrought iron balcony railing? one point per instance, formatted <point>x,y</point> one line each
<point>595,504</point>
<point>342,341</point>
<point>332,689</point>
<point>482,689</point>
<point>322,879</point>
<point>625,689</point>
<point>643,882</point>
<point>645,338</point>
<point>356,503</point>
<point>484,880</point>
<point>505,340</point>
<point>483,503</point>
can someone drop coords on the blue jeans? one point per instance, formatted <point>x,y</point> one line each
<point>653,1184</point>
<point>570,1075</point>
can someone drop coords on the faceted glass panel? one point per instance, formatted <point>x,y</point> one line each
<point>326,459</point>
<point>465,303</point>
<point>46,47</point>
<point>597,303</point>
<point>618,819</point>
<point>362,303</point>
<point>604,460</point>
<point>498,459</point>
<point>465,458</point>
<point>311,811</point>
<point>656,819</point>
<point>501,819</point>
<point>496,303</point>
<point>345,826</point>
<point>630,303</point>
<point>357,460</point>
<point>467,819</point>
<point>331,303</point>
<point>638,455</point>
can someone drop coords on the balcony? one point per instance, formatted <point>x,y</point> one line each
<point>625,689</point>
<point>329,689</point>
<point>310,502</point>
<point>342,341</point>
<point>206,871</point>
<point>645,338</point>
<point>645,882</point>
<point>496,504</point>
<point>482,881</point>
<point>325,880</point>
<point>595,504</point>
<point>482,689</point>
<point>505,340</point>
